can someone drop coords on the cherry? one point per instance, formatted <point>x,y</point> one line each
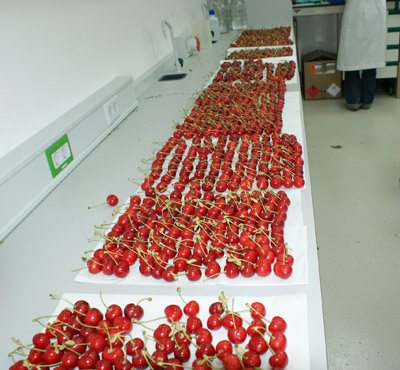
<point>104,365</point>
<point>182,353</point>
<point>113,311</point>
<point>88,360</point>
<point>139,361</point>
<point>69,360</point>
<point>231,362</point>
<point>216,308</point>
<point>231,320</point>
<point>173,313</point>
<point>214,322</point>
<point>257,310</point>
<point>277,324</point>
<point>223,348</point>
<point>162,331</point>
<point>40,340</point>
<point>93,316</point>
<point>165,344</point>
<point>122,363</point>
<point>203,335</point>
<point>52,355</point>
<point>133,311</point>
<point>193,324</point>
<point>237,335</point>
<point>279,359</point>
<point>174,364</point>
<point>96,342</point>
<point>283,271</point>
<point>251,359</point>
<point>278,341</point>
<point>134,346</point>
<point>112,354</point>
<point>192,308</point>
<point>258,344</point>
<point>35,356</point>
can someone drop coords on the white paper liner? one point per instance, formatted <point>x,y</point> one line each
<point>293,308</point>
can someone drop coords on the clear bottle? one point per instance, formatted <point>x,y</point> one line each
<point>214,26</point>
<point>239,15</point>
<point>225,16</point>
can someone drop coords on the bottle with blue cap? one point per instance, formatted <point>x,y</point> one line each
<point>214,26</point>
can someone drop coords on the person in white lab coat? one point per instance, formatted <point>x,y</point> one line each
<point>362,50</point>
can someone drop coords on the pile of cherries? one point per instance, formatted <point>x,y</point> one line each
<point>198,235</point>
<point>84,337</point>
<point>264,37</point>
<point>251,70</point>
<point>253,54</point>
<point>241,108</point>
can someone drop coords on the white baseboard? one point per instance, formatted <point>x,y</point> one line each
<point>25,177</point>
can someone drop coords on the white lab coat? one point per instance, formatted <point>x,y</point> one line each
<point>362,37</point>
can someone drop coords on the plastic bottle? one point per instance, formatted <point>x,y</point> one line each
<point>225,17</point>
<point>214,26</point>
<point>239,15</point>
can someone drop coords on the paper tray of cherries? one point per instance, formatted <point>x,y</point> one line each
<point>170,332</point>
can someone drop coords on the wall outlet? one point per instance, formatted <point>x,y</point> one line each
<point>59,155</point>
<point>111,109</point>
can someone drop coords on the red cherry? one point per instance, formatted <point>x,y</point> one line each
<point>277,324</point>
<point>279,359</point>
<point>113,311</point>
<point>258,344</point>
<point>112,200</point>
<point>237,335</point>
<point>282,271</point>
<point>257,310</point>
<point>278,341</point>
<point>251,359</point>
<point>232,362</point>
<point>173,313</point>
<point>192,308</point>
<point>133,311</point>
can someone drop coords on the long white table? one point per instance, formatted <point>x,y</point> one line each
<point>38,256</point>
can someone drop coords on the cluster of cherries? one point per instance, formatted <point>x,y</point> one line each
<point>253,54</point>
<point>251,70</point>
<point>83,337</point>
<point>229,163</point>
<point>264,37</point>
<point>242,108</point>
<point>198,234</point>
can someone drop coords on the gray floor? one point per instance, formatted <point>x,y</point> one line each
<point>355,170</point>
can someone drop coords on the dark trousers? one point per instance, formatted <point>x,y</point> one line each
<point>360,89</point>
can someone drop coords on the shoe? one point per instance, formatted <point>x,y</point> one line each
<point>366,106</point>
<point>353,107</point>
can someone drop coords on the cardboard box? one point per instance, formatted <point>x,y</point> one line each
<point>321,78</point>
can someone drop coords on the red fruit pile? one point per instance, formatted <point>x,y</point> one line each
<point>252,70</point>
<point>257,53</point>
<point>241,108</point>
<point>208,207</point>
<point>230,163</point>
<point>85,337</point>
<point>198,234</point>
<point>264,37</point>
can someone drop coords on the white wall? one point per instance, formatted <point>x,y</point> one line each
<point>55,53</point>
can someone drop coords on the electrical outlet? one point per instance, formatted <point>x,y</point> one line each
<point>59,155</point>
<point>111,109</point>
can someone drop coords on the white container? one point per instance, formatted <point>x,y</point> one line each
<point>214,26</point>
<point>202,30</point>
<point>239,15</point>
